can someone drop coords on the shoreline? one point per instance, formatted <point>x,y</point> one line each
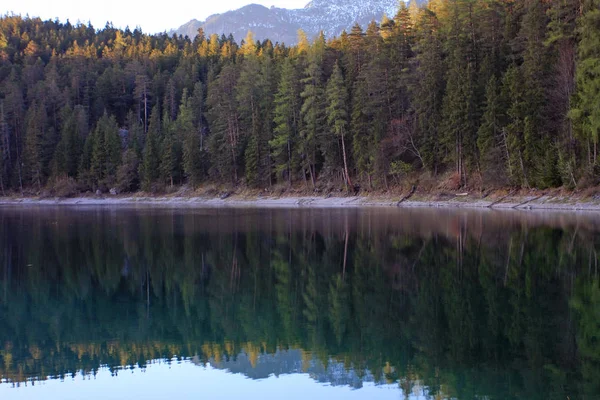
<point>521,203</point>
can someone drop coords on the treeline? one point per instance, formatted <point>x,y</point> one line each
<point>508,312</point>
<point>474,93</point>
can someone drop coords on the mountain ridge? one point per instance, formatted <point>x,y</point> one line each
<point>282,24</point>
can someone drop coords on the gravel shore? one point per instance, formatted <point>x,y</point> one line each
<point>517,202</point>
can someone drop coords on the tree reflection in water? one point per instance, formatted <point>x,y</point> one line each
<point>462,304</point>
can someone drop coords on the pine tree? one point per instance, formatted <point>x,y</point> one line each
<point>128,179</point>
<point>287,121</point>
<point>490,137</point>
<point>68,151</point>
<point>106,151</point>
<point>585,112</point>
<point>168,151</point>
<point>401,44</point>
<point>515,129</point>
<point>98,153</point>
<point>4,149</point>
<point>192,165</point>
<point>267,84</point>
<point>248,100</point>
<point>429,87</point>
<point>151,160</point>
<point>459,127</point>
<point>35,129</point>
<point>535,73</point>
<point>360,126</point>
<point>113,151</point>
<point>337,114</point>
<point>223,117</point>
<point>312,111</point>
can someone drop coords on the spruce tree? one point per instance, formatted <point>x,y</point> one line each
<point>113,151</point>
<point>586,112</point>
<point>35,129</point>
<point>429,87</point>
<point>151,159</point>
<point>287,121</point>
<point>192,166</point>
<point>337,114</point>
<point>248,100</point>
<point>68,150</point>
<point>490,136</point>
<point>312,111</point>
<point>168,151</point>
<point>223,117</point>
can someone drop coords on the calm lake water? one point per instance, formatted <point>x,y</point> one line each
<point>132,303</point>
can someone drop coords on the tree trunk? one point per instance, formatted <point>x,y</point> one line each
<point>525,182</point>
<point>312,175</point>
<point>289,163</point>
<point>348,181</point>
<point>145,112</point>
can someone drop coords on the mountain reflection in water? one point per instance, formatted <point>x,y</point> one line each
<point>447,304</point>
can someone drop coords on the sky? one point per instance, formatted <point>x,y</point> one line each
<point>152,16</point>
<point>186,381</point>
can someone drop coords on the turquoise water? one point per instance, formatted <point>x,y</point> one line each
<point>108,303</point>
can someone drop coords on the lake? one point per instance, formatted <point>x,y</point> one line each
<point>221,303</point>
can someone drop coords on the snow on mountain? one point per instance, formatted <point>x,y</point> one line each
<point>281,25</point>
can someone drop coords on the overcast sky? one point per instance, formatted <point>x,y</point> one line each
<point>153,16</point>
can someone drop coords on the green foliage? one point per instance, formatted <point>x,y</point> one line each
<point>34,133</point>
<point>312,112</point>
<point>429,88</point>
<point>338,118</point>
<point>151,161</point>
<point>286,118</point>
<point>586,112</point>
<point>268,112</point>
<point>106,148</point>
<point>192,164</point>
<point>128,179</point>
<point>381,303</point>
<point>491,142</point>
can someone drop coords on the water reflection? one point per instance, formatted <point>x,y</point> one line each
<point>448,304</point>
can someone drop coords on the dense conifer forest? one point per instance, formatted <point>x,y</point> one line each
<point>468,94</point>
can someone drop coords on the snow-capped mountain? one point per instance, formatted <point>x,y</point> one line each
<point>281,25</point>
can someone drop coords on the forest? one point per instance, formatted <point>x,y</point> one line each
<point>460,94</point>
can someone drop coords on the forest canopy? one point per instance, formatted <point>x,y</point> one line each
<point>479,93</point>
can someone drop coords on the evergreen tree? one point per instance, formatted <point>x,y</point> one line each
<point>458,113</point>
<point>287,122</point>
<point>223,117</point>
<point>128,178</point>
<point>151,160</point>
<point>337,114</point>
<point>168,151</point>
<point>106,151</point>
<point>429,88</point>
<point>312,112</point>
<point>586,112</point>
<point>35,130</point>
<point>192,165</point>
<point>535,73</point>
<point>248,99</point>
<point>485,88</point>
<point>491,141</point>
<point>515,129</point>
<point>68,151</point>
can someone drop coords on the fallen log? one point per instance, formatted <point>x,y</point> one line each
<point>408,196</point>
